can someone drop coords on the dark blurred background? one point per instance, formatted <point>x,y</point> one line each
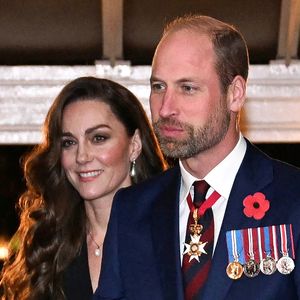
<point>70,31</point>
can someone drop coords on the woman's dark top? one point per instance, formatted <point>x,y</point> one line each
<point>77,282</point>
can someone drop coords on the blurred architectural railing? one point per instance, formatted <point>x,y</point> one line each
<point>271,113</point>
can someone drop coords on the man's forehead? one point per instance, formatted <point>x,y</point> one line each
<point>183,42</point>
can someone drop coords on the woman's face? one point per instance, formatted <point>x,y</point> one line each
<point>96,150</point>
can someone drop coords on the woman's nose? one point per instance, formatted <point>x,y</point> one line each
<point>83,154</point>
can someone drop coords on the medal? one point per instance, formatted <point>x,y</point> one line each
<point>285,265</point>
<point>195,248</point>
<point>268,265</point>
<point>234,270</point>
<point>251,267</point>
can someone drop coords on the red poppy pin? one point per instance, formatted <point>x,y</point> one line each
<point>256,206</point>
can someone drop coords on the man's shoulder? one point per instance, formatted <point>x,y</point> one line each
<point>287,175</point>
<point>156,184</point>
<point>163,179</point>
<point>280,167</point>
<point>142,196</point>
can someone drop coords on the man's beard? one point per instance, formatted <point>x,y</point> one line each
<point>198,139</point>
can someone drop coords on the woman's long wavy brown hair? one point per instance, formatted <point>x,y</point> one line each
<point>52,215</point>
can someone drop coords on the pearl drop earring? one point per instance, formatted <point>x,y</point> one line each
<point>132,169</point>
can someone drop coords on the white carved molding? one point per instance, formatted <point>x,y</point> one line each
<point>271,113</point>
<point>272,109</point>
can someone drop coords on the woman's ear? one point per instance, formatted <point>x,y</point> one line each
<point>136,145</point>
<point>236,94</point>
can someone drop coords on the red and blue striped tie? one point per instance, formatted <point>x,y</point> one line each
<point>195,273</point>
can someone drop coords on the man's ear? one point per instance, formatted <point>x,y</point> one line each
<point>136,145</point>
<point>236,94</point>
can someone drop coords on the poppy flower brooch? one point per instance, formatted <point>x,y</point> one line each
<point>256,205</point>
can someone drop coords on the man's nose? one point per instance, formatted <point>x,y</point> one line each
<point>169,105</point>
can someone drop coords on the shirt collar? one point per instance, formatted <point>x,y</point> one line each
<point>222,176</point>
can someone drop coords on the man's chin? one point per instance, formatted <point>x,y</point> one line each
<point>171,149</point>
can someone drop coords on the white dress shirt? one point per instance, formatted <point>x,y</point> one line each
<point>220,179</point>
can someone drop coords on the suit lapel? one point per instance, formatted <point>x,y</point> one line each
<point>165,235</point>
<point>255,173</point>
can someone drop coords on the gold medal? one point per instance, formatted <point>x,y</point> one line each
<point>196,229</point>
<point>234,270</point>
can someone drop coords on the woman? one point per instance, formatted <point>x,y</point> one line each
<point>97,139</point>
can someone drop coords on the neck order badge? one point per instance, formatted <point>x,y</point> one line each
<point>199,240</point>
<point>197,209</point>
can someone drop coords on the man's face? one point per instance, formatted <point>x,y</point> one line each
<point>189,112</point>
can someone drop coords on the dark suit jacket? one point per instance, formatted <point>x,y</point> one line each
<point>141,253</point>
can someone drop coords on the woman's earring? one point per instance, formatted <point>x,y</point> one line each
<point>132,169</point>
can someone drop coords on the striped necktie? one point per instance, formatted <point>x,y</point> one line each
<point>196,265</point>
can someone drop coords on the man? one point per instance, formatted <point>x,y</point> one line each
<point>242,241</point>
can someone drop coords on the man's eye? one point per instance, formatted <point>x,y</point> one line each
<point>157,86</point>
<point>67,143</point>
<point>189,88</point>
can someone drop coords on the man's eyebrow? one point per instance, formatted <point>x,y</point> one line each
<point>187,79</point>
<point>179,81</point>
<point>154,78</point>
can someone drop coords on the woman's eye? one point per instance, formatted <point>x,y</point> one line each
<point>67,143</point>
<point>99,138</point>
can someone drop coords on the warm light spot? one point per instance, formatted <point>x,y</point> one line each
<point>3,252</point>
